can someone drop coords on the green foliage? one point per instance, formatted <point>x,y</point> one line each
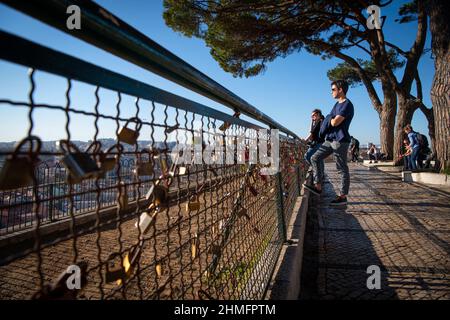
<point>244,36</point>
<point>345,71</point>
<point>408,12</point>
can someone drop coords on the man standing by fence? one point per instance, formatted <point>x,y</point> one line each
<point>337,139</point>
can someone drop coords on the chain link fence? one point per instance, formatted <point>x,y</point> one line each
<point>139,223</point>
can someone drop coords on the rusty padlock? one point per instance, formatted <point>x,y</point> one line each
<point>128,135</point>
<point>253,190</point>
<point>158,195</point>
<point>18,170</point>
<point>193,204</point>
<point>171,129</point>
<point>143,168</point>
<point>226,125</point>
<point>108,162</point>
<point>215,249</point>
<point>80,165</point>
<point>242,212</point>
<point>118,269</point>
<point>114,268</point>
<point>58,289</point>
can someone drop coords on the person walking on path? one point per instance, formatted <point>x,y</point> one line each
<point>337,140</point>
<point>354,149</point>
<point>414,145</point>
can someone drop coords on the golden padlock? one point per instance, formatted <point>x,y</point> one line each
<point>158,270</point>
<point>19,170</point>
<point>143,168</point>
<point>128,135</point>
<point>193,204</point>
<point>163,164</point>
<point>80,165</point>
<point>194,245</point>
<point>107,161</point>
<point>123,196</point>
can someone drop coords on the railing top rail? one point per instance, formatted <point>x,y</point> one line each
<point>104,30</point>
<point>30,54</point>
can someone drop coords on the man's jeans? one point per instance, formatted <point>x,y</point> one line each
<point>340,150</point>
<point>310,153</point>
<point>413,159</point>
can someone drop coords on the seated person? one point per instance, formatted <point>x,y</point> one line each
<point>373,153</point>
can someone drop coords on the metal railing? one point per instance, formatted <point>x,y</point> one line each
<point>205,232</point>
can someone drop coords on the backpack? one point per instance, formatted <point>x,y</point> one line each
<point>423,142</point>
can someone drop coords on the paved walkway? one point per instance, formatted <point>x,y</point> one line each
<point>402,228</point>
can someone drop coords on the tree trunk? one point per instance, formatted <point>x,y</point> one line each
<point>404,116</point>
<point>431,124</point>
<point>387,123</point>
<point>440,33</point>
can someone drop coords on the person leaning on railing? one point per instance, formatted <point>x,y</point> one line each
<point>337,140</point>
<point>314,141</point>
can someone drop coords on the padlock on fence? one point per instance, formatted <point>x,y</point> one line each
<point>226,125</point>
<point>242,212</point>
<point>123,196</point>
<point>107,161</point>
<point>194,246</point>
<point>157,194</point>
<point>128,135</point>
<point>163,164</point>
<point>59,290</point>
<point>114,268</point>
<point>19,170</point>
<point>118,269</point>
<point>253,190</point>
<point>80,165</point>
<point>171,129</point>
<point>143,167</point>
<point>146,220</point>
<point>193,204</point>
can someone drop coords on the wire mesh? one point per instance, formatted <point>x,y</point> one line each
<point>139,224</point>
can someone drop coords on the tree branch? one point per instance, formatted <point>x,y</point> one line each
<point>416,49</point>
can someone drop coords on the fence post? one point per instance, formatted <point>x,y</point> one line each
<point>299,179</point>
<point>280,205</point>
<point>51,203</point>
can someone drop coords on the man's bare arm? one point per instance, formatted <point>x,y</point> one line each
<point>337,120</point>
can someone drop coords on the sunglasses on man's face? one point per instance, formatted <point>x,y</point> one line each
<point>333,89</point>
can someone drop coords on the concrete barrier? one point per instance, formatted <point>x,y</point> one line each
<point>285,283</point>
<point>431,178</point>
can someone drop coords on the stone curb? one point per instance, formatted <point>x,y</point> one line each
<point>285,282</point>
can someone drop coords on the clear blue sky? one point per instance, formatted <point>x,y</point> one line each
<point>287,91</point>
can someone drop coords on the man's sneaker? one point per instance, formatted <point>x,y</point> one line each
<point>312,189</point>
<point>339,201</point>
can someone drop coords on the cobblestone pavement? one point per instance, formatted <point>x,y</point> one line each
<point>402,228</point>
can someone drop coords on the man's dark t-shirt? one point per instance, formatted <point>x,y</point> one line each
<point>315,132</point>
<point>340,133</point>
